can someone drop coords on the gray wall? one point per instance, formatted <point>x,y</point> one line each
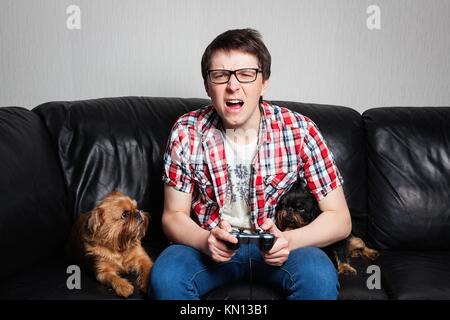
<point>322,50</point>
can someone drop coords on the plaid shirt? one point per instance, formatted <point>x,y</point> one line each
<point>290,147</point>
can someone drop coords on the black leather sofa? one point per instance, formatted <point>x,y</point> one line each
<point>60,158</point>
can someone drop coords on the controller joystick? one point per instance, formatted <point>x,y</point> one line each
<point>262,239</point>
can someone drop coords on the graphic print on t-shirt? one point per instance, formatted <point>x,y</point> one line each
<point>238,189</point>
<point>237,201</point>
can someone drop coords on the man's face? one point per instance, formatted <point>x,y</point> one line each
<point>245,114</point>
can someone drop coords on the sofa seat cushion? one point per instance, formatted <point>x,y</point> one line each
<point>355,287</point>
<point>416,275</point>
<point>48,281</point>
<point>244,290</point>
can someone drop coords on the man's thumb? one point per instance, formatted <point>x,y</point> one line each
<point>225,225</point>
<point>267,225</point>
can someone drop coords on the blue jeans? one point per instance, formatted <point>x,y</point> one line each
<point>184,273</point>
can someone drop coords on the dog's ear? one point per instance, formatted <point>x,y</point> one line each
<point>147,218</point>
<point>95,220</point>
<point>280,215</point>
<point>116,193</point>
<point>147,214</point>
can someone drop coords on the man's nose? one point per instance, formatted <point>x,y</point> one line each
<point>233,84</point>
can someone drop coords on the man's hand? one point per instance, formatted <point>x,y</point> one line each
<point>280,250</point>
<point>217,243</point>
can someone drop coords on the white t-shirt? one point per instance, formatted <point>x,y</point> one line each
<point>239,158</point>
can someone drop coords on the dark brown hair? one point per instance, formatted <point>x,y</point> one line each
<point>245,40</point>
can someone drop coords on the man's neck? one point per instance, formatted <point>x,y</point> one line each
<point>246,134</point>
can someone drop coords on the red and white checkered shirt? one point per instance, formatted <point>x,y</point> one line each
<point>290,147</point>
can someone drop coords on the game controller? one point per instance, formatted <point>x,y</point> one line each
<point>262,239</point>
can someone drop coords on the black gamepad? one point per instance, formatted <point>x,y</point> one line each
<point>262,239</point>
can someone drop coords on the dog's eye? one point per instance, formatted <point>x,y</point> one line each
<point>125,214</point>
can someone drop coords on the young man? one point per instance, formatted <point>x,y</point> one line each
<point>225,167</point>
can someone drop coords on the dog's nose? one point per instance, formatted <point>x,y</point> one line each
<point>137,215</point>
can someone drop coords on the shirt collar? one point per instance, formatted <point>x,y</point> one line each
<point>265,129</point>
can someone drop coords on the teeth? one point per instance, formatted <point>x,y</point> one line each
<point>234,101</point>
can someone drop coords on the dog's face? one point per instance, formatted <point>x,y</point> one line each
<point>296,209</point>
<point>117,223</point>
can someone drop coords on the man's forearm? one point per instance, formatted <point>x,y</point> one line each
<point>180,228</point>
<point>326,229</point>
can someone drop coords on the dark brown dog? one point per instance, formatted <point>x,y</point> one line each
<point>298,208</point>
<point>107,240</point>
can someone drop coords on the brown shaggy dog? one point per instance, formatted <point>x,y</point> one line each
<point>107,240</point>
<point>298,207</point>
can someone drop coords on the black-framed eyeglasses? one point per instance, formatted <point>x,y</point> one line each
<point>245,75</point>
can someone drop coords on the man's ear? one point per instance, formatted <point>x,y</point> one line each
<point>95,220</point>
<point>205,83</point>
<point>265,85</point>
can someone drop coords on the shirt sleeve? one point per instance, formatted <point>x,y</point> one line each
<point>177,169</point>
<point>320,170</point>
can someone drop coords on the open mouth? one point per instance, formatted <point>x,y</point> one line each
<point>234,104</point>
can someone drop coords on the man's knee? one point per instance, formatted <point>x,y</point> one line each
<point>168,279</point>
<point>161,279</point>
<point>316,277</point>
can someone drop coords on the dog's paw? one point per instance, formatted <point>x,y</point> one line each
<point>143,278</point>
<point>371,253</point>
<point>346,269</point>
<point>143,285</point>
<point>123,288</point>
<point>142,281</point>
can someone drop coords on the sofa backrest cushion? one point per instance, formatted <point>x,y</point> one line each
<point>118,143</point>
<point>343,131</point>
<point>115,144</point>
<point>409,177</point>
<point>34,222</point>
